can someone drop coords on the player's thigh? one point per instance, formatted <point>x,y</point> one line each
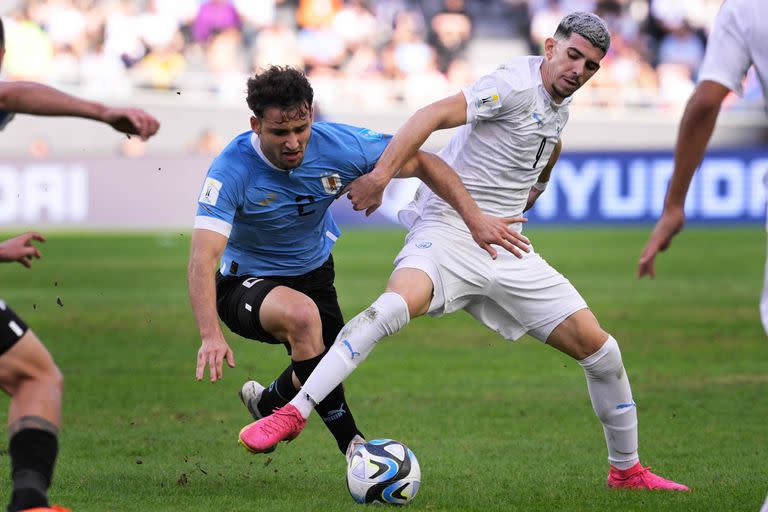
<point>535,297</point>
<point>239,301</point>
<point>24,359</point>
<point>458,269</point>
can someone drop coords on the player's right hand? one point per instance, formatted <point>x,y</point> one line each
<point>213,351</point>
<point>670,224</point>
<point>133,121</point>
<point>488,230</point>
<point>20,248</point>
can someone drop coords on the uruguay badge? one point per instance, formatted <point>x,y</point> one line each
<point>331,184</point>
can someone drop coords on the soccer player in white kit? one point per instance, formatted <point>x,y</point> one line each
<point>736,42</point>
<point>512,120</point>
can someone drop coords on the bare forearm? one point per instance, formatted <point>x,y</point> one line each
<point>38,99</point>
<point>444,182</point>
<point>202,295</point>
<point>696,128</point>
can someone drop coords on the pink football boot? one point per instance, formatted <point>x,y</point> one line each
<point>263,435</point>
<point>638,477</point>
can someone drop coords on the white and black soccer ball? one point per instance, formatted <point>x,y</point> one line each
<point>383,471</point>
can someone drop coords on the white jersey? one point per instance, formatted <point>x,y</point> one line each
<point>738,40</point>
<point>512,128</point>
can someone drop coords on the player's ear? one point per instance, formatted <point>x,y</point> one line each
<point>549,47</point>
<point>256,125</point>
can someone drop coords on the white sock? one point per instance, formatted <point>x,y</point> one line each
<point>383,318</point>
<point>612,401</point>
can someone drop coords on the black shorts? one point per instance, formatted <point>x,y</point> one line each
<point>239,299</point>
<point>12,328</point>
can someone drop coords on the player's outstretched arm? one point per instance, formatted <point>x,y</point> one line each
<point>21,249</point>
<point>42,100</point>
<point>207,248</point>
<point>543,179</point>
<point>366,192</point>
<point>694,133</point>
<point>485,229</point>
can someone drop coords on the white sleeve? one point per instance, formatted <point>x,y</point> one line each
<point>727,58</point>
<point>489,97</point>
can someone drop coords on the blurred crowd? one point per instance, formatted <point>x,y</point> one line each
<point>358,53</point>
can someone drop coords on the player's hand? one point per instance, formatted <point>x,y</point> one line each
<point>133,121</point>
<point>670,224</point>
<point>21,249</point>
<point>366,192</point>
<point>212,353</point>
<point>487,230</point>
<point>533,195</point>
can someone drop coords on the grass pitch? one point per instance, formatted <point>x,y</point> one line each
<point>495,425</point>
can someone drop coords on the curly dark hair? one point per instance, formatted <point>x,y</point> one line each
<point>279,86</point>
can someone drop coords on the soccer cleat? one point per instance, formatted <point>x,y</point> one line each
<point>638,477</point>
<point>250,394</point>
<point>262,436</point>
<point>354,444</point>
<point>52,508</point>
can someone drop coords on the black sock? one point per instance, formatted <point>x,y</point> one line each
<point>334,409</point>
<point>33,455</point>
<point>278,393</point>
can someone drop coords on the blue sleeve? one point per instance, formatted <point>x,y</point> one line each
<point>222,194</point>
<point>372,144</point>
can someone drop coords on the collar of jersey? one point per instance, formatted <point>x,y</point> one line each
<point>257,148</point>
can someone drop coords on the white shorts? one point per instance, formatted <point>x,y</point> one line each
<point>513,296</point>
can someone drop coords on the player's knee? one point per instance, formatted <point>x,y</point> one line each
<point>392,312</point>
<point>302,321</point>
<point>605,362</point>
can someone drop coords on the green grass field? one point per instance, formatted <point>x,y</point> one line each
<point>495,425</point>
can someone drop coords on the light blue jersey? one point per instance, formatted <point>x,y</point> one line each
<point>277,221</point>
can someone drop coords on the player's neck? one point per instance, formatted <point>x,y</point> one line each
<point>547,80</point>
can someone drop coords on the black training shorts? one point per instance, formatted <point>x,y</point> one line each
<point>239,299</point>
<point>12,328</point>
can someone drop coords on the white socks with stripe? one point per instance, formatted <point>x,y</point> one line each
<point>612,401</point>
<point>383,318</point>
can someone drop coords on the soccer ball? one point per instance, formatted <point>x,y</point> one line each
<point>383,471</point>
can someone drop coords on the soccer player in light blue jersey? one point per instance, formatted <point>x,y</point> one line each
<point>263,222</point>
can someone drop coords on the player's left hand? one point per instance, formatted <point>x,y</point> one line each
<point>21,249</point>
<point>366,192</point>
<point>670,224</point>
<point>133,121</point>
<point>487,231</point>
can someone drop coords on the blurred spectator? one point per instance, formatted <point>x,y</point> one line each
<point>277,45</point>
<point>29,50</point>
<point>355,24</point>
<point>682,46</point>
<point>544,22</point>
<point>450,31</point>
<point>317,14</point>
<point>208,143</point>
<point>214,16</point>
<point>162,66</point>
<point>224,57</point>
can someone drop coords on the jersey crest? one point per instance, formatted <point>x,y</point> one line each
<point>331,184</point>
